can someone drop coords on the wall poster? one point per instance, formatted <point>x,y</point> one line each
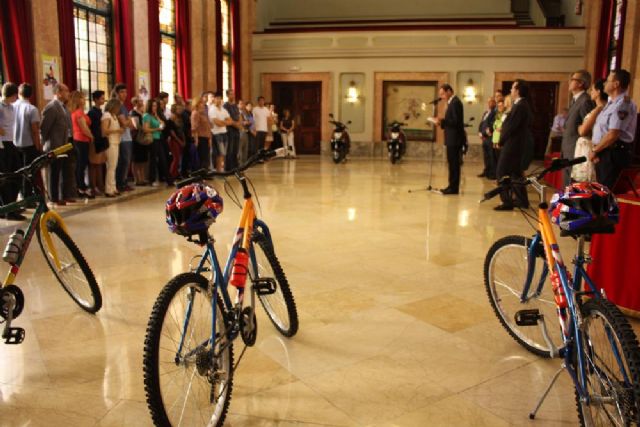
<point>143,85</point>
<point>51,71</point>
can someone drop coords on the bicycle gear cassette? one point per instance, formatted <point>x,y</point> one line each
<point>6,294</point>
<point>248,326</point>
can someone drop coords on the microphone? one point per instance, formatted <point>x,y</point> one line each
<point>434,102</point>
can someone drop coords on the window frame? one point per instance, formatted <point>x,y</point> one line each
<point>172,37</point>
<point>227,53</point>
<point>108,16</point>
<point>614,50</point>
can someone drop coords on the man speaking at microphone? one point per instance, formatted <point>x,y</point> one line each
<point>454,135</point>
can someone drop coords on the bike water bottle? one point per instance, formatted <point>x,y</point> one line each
<point>558,291</point>
<point>240,268</point>
<point>14,247</point>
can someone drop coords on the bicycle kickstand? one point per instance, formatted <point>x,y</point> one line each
<point>532,415</point>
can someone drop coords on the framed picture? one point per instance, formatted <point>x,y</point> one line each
<point>51,71</point>
<point>143,85</point>
<point>409,102</point>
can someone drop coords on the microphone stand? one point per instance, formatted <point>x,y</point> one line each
<point>429,187</point>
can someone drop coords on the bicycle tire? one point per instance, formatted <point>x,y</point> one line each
<point>269,267</point>
<point>510,254</point>
<point>607,377</point>
<point>156,389</point>
<point>90,303</point>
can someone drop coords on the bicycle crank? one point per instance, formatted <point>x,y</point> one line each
<point>248,326</point>
<point>11,295</point>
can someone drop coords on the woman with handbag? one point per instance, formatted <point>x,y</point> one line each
<point>152,127</point>
<point>82,139</point>
<point>585,172</point>
<point>113,131</point>
<point>141,144</point>
<point>97,148</point>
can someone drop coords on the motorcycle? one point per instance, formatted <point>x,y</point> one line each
<point>397,143</point>
<point>340,141</point>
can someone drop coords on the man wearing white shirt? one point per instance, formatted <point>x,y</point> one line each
<point>261,116</point>
<point>220,119</point>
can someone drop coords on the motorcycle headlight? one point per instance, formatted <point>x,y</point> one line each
<point>337,135</point>
<point>395,135</point>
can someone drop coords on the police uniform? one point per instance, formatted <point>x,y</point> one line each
<point>619,114</point>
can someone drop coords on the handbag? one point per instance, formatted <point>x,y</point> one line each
<point>101,144</point>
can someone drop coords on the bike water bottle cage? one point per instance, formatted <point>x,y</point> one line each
<point>192,209</point>
<point>584,208</point>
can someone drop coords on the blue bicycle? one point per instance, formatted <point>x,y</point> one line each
<point>598,346</point>
<point>188,352</point>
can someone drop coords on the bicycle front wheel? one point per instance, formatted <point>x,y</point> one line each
<point>74,273</point>
<point>505,272</point>
<point>188,370</point>
<point>279,304</point>
<point>612,364</point>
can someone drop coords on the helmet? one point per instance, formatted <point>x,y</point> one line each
<point>584,208</point>
<point>192,209</point>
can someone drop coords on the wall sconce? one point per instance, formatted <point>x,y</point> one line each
<point>353,95</point>
<point>470,93</point>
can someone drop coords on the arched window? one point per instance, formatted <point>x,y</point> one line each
<point>168,78</point>
<point>616,33</point>
<point>94,45</point>
<point>227,44</point>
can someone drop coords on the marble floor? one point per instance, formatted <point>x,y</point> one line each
<point>395,325</point>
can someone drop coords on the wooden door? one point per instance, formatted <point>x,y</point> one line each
<point>303,100</point>
<point>543,100</point>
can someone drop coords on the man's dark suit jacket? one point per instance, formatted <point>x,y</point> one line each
<point>486,124</point>
<point>515,130</point>
<point>453,124</point>
<point>580,108</point>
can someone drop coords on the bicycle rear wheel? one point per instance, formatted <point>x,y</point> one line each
<point>505,273</point>
<point>612,365</point>
<point>279,305</point>
<point>74,273</point>
<point>190,386</point>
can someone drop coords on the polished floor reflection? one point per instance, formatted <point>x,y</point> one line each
<point>395,325</point>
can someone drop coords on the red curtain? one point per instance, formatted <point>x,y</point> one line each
<point>218,46</point>
<point>66,29</point>
<point>236,64</point>
<point>604,40</point>
<point>123,43</point>
<point>153,13</point>
<point>183,48</point>
<point>16,36</point>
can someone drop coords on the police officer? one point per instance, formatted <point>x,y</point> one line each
<point>614,130</point>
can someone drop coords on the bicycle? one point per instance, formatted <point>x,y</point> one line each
<point>598,346</point>
<point>188,353</point>
<point>60,251</point>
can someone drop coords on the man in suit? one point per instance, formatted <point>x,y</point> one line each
<point>580,105</point>
<point>55,129</point>
<point>454,136</point>
<point>514,133</point>
<point>485,131</point>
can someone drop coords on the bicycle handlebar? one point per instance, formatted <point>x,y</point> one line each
<point>201,174</point>
<point>506,182</point>
<point>37,163</point>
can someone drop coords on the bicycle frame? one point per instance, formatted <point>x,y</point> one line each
<point>220,281</point>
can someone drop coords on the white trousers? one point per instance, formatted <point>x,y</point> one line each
<point>287,142</point>
<point>112,163</point>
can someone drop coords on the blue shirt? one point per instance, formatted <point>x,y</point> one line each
<point>126,135</point>
<point>619,114</point>
<point>26,115</point>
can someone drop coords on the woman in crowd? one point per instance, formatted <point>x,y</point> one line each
<point>586,171</point>
<point>247,114</point>
<point>98,148</point>
<point>271,124</point>
<point>201,131</point>
<point>176,138</point>
<point>501,114</point>
<point>287,125</point>
<point>151,124</point>
<point>141,149</point>
<point>82,140</point>
<point>112,130</point>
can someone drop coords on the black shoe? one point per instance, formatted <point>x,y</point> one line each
<point>482,175</point>
<point>448,191</point>
<point>15,216</point>
<point>503,207</point>
<point>522,206</point>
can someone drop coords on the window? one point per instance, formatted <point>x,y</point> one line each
<point>225,11</point>
<point>617,32</point>
<point>94,44</point>
<point>168,75</point>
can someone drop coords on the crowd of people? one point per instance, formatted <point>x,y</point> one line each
<point>115,148</point>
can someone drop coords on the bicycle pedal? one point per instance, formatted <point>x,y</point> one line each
<point>528,317</point>
<point>264,286</point>
<point>14,336</point>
